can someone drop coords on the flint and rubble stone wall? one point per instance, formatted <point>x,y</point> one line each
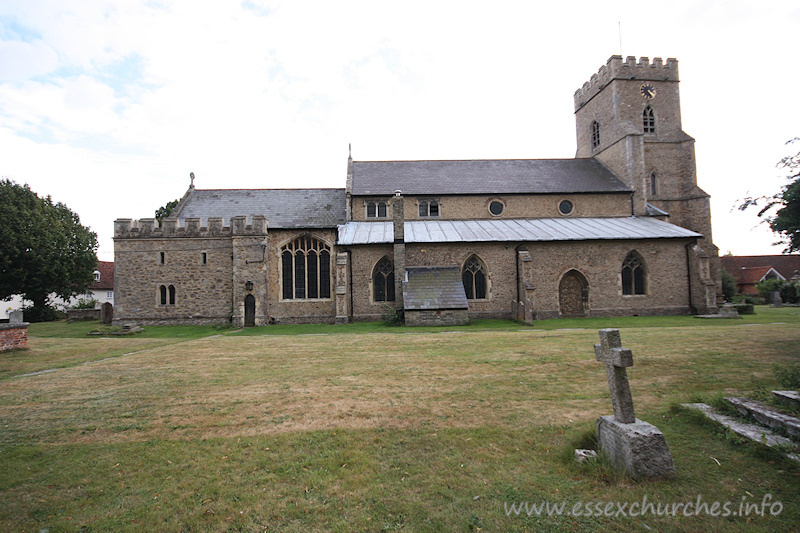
<point>515,206</point>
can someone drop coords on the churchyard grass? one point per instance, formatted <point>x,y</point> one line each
<point>393,429</point>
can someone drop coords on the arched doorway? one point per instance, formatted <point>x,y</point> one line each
<point>573,294</point>
<point>249,311</point>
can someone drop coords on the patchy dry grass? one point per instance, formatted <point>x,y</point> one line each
<point>380,431</point>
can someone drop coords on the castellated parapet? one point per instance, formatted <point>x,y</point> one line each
<point>126,228</point>
<point>629,69</point>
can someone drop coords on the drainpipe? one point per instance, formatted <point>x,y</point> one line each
<point>689,275</point>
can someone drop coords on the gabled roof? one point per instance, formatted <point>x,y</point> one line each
<point>284,208</point>
<point>786,265</point>
<point>106,269</point>
<point>502,176</point>
<point>434,288</point>
<point>514,230</point>
<point>751,276</point>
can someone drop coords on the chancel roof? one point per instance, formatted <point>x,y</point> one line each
<point>284,208</point>
<point>503,176</point>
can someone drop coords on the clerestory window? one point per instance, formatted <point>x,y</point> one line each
<point>429,208</point>
<point>306,269</point>
<point>376,210</point>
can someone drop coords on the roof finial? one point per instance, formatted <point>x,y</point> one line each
<point>191,176</point>
<point>349,150</point>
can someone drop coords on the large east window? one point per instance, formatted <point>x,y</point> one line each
<point>306,269</point>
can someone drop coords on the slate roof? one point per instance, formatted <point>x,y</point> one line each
<point>434,288</point>
<point>503,176</point>
<point>284,208</point>
<point>514,230</point>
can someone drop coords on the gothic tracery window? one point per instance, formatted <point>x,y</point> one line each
<point>633,275</point>
<point>306,269</point>
<point>649,120</point>
<point>474,277</point>
<point>383,281</point>
<point>595,135</point>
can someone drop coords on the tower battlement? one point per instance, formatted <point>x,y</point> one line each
<point>629,69</point>
<point>126,228</point>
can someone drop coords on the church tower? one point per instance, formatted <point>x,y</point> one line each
<point>628,116</point>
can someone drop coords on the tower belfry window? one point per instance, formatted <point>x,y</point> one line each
<point>595,135</point>
<point>649,120</point>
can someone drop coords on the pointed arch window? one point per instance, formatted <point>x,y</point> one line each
<point>595,135</point>
<point>653,183</point>
<point>306,269</point>
<point>383,281</point>
<point>474,277</point>
<point>649,120</point>
<point>634,275</point>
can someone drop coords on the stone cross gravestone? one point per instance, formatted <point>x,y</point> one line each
<point>617,359</point>
<point>635,446</point>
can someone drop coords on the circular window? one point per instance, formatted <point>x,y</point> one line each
<point>496,207</point>
<point>565,207</point>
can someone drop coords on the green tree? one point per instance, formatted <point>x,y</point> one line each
<point>782,211</point>
<point>729,287</point>
<point>165,211</point>
<point>44,249</point>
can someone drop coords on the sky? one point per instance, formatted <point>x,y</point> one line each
<point>107,106</point>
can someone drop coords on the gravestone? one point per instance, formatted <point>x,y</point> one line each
<point>633,445</point>
<point>106,313</point>
<point>777,301</point>
<point>15,317</point>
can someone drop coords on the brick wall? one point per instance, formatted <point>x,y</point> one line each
<point>13,336</point>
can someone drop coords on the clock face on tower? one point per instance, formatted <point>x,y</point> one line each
<point>647,91</point>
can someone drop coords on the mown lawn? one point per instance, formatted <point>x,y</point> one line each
<point>367,427</point>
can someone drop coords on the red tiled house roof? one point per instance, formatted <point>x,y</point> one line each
<point>750,269</point>
<point>106,283</point>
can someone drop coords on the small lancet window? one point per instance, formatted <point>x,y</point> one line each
<point>653,184</point>
<point>595,135</point>
<point>633,275</point>
<point>649,120</point>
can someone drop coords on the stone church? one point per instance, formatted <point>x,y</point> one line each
<point>621,229</point>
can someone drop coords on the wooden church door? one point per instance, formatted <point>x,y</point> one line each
<point>249,311</point>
